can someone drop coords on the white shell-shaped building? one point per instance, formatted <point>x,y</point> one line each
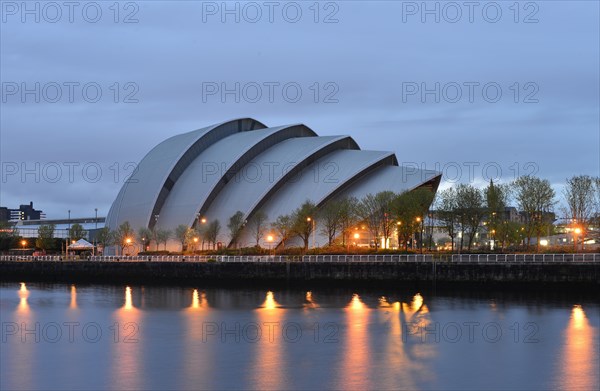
<point>242,165</point>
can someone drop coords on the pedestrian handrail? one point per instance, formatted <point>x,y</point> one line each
<point>325,258</point>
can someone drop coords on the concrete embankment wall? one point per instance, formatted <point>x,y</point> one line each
<point>576,274</point>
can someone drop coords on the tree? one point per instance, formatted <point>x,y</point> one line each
<point>191,237</point>
<point>45,239</point>
<point>447,212</point>
<point>375,211</point>
<point>580,201</point>
<point>409,209</point>
<point>163,236</point>
<point>104,237</point>
<point>257,225</point>
<point>368,211</point>
<point>181,234</point>
<point>496,199</point>
<point>76,232</point>
<point>535,197</point>
<point>348,217</point>
<point>212,232</point>
<point>471,210</point>
<point>122,234</point>
<point>330,216</point>
<point>283,226</point>
<point>8,235</point>
<point>144,235</point>
<point>235,225</point>
<point>303,221</point>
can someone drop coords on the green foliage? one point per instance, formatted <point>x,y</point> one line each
<point>536,199</point>
<point>163,236</point>
<point>257,225</point>
<point>303,221</point>
<point>76,232</point>
<point>330,217</point>
<point>235,225</point>
<point>283,225</point>
<point>8,236</point>
<point>144,236</point>
<point>45,239</point>
<point>183,234</point>
<point>408,211</point>
<point>121,235</point>
<point>470,208</point>
<point>211,233</point>
<point>104,237</point>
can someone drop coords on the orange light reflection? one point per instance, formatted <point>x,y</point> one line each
<point>73,304</point>
<point>578,371</point>
<point>23,295</point>
<point>267,372</point>
<point>356,360</point>
<point>126,356</point>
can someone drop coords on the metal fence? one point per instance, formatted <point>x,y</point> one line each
<point>388,258</point>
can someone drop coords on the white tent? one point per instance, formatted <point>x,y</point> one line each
<point>81,244</point>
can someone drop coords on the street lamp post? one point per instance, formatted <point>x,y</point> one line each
<point>312,222</point>
<point>420,245</point>
<point>202,220</point>
<point>95,230</point>
<point>68,234</point>
<point>576,233</point>
<point>270,241</point>
<point>23,243</point>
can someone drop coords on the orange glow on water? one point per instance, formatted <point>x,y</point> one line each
<point>356,304</point>
<point>23,295</point>
<point>128,306</point>
<point>73,304</point>
<point>579,362</point>
<point>199,301</point>
<point>126,371</point>
<point>417,302</point>
<point>310,303</point>
<point>270,303</point>
<point>267,371</point>
<point>357,353</point>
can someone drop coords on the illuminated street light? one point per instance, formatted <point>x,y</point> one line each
<point>576,233</point>
<point>270,239</point>
<point>310,220</point>
<point>357,236</point>
<point>23,243</point>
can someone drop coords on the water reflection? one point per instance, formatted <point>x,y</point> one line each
<point>266,368</point>
<point>199,356</point>
<point>23,296</point>
<point>126,355</point>
<point>199,301</point>
<point>309,303</point>
<point>579,364</point>
<point>73,304</point>
<point>356,356</point>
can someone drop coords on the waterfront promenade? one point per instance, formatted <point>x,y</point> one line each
<point>576,270</point>
<point>354,258</point>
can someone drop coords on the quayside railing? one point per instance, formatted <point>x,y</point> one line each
<point>373,258</point>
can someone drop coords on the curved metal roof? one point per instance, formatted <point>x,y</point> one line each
<point>267,172</point>
<point>243,165</point>
<point>321,180</point>
<point>144,192</point>
<point>214,167</point>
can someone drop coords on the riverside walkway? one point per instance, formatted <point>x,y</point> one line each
<point>374,258</point>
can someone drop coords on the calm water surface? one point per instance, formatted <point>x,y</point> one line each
<point>133,337</point>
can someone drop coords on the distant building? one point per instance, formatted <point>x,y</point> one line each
<point>25,212</point>
<point>4,213</point>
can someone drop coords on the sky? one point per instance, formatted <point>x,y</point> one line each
<point>476,90</point>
